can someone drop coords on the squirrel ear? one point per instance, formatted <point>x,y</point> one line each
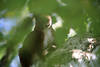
<point>50,21</point>
<point>34,23</point>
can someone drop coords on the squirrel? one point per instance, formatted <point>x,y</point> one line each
<point>37,44</point>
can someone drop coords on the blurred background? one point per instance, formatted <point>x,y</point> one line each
<point>70,18</point>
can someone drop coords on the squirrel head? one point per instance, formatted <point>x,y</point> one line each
<point>43,22</point>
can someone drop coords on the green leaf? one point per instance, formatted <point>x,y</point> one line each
<point>42,6</point>
<point>11,5</point>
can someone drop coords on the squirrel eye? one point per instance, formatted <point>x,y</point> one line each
<point>47,25</point>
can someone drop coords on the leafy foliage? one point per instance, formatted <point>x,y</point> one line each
<point>83,16</point>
